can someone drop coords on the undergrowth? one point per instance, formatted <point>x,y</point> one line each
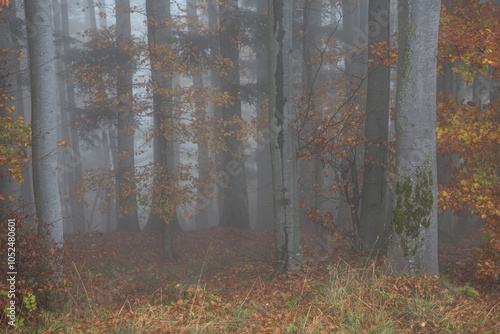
<point>96,294</point>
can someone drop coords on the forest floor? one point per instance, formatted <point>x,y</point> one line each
<point>117,283</point>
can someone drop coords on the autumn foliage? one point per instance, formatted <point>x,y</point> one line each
<point>469,40</point>
<point>191,119</point>
<point>474,135</point>
<point>469,35</point>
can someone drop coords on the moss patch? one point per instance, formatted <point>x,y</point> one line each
<point>414,201</point>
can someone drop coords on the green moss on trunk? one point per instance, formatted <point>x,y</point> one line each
<point>414,201</point>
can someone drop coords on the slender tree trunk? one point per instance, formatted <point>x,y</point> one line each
<point>159,35</point>
<point>355,68</point>
<point>8,87</point>
<point>110,145</point>
<point>63,131</point>
<point>113,203</point>
<point>235,208</point>
<point>373,213</point>
<point>28,199</point>
<point>311,17</point>
<point>127,204</point>
<point>203,201</point>
<point>413,248</point>
<point>263,158</point>
<point>75,160</point>
<point>282,139</point>
<point>44,110</point>
<point>215,81</point>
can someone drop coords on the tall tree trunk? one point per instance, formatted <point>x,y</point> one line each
<point>213,22</point>
<point>373,213</point>
<point>203,201</point>
<point>235,208</point>
<point>110,144</point>
<point>127,204</point>
<point>355,68</point>
<point>263,158</point>
<point>159,35</point>
<point>77,208</point>
<point>8,86</point>
<point>282,138</point>
<point>312,17</point>
<point>413,248</point>
<point>28,199</point>
<point>44,110</point>
<point>63,131</point>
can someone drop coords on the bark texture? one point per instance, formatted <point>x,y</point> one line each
<point>373,213</point>
<point>235,207</point>
<point>413,248</point>
<point>159,35</point>
<point>203,159</point>
<point>263,155</point>
<point>282,139</point>
<point>44,110</point>
<point>128,219</point>
<point>9,87</point>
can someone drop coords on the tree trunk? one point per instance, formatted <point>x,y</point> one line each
<point>413,248</point>
<point>63,171</point>
<point>44,110</point>
<point>203,201</point>
<point>110,143</point>
<point>127,204</point>
<point>311,17</point>
<point>213,22</point>
<point>8,86</point>
<point>77,208</point>
<point>373,214</point>
<point>113,202</point>
<point>263,155</point>
<point>355,68</point>
<point>235,207</point>
<point>159,35</point>
<point>282,139</point>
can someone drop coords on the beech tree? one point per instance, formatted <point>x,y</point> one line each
<point>10,169</point>
<point>198,85</point>
<point>235,205</point>
<point>413,248</point>
<point>283,144</point>
<point>373,215</point>
<point>44,110</point>
<point>159,34</point>
<point>127,204</point>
